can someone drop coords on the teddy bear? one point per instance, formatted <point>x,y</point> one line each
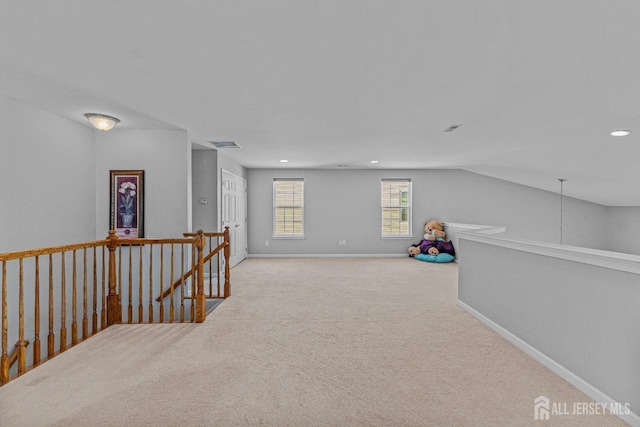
<point>433,242</point>
<point>434,230</point>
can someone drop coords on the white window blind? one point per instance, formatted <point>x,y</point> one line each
<point>396,207</point>
<point>288,207</point>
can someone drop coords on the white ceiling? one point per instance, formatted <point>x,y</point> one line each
<point>536,85</point>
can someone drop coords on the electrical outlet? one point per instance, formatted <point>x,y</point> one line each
<point>266,243</point>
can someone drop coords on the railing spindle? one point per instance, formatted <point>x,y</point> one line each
<point>36,314</point>
<point>218,262</point>
<point>227,255</point>
<point>51,338</point>
<point>150,283</point>
<point>85,316</point>
<point>94,317</point>
<point>130,290</point>
<point>182,283</point>
<point>140,306</point>
<point>171,308</point>
<point>119,291</point>
<point>161,315</point>
<point>210,240</point>
<point>104,298</point>
<point>22,349</point>
<point>74,305</point>
<point>63,306</point>
<point>194,280</point>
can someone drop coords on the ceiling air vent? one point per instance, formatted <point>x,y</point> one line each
<point>225,144</point>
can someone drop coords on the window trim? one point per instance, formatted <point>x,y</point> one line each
<point>286,236</point>
<point>409,235</point>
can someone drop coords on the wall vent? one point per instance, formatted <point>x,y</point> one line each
<point>225,144</point>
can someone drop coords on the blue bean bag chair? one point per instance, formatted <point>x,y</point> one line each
<point>440,258</point>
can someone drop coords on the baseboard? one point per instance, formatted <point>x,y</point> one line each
<point>633,419</point>
<point>395,255</point>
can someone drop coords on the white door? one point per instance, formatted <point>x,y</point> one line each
<point>234,214</point>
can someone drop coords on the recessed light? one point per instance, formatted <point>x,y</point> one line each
<point>375,161</point>
<point>284,161</point>
<point>620,133</point>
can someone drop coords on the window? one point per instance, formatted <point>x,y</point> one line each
<point>396,207</point>
<point>288,208</point>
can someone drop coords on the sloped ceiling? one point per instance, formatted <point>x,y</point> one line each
<point>536,86</point>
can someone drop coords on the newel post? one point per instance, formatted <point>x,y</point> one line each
<point>200,298</point>
<point>113,299</point>
<point>227,255</point>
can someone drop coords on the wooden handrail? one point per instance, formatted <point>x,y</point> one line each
<point>52,250</point>
<point>210,234</point>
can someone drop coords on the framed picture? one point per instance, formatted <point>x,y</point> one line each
<point>127,203</point>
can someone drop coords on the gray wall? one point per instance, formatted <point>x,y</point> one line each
<point>47,198</point>
<point>165,157</point>
<point>48,188</point>
<point>584,317</point>
<point>207,170</point>
<point>345,205</point>
<point>622,227</point>
<point>205,186</point>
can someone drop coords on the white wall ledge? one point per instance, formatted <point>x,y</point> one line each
<point>606,259</point>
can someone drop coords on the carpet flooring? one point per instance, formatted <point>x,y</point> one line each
<point>303,342</point>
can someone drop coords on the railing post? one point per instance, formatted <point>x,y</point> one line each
<point>227,255</point>
<point>200,299</point>
<point>113,299</point>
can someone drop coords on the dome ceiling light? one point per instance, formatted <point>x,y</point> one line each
<point>102,122</point>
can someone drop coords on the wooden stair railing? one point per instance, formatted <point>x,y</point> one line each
<point>224,246</point>
<point>90,286</point>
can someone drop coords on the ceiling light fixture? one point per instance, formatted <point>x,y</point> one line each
<point>375,161</point>
<point>284,161</point>
<point>102,122</point>
<point>621,132</point>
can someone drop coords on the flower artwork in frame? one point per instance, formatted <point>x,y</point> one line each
<point>127,203</point>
